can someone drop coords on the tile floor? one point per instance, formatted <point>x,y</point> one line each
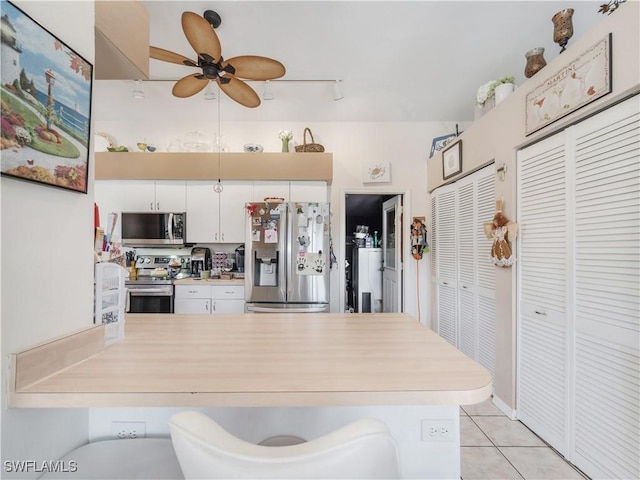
<point>495,447</point>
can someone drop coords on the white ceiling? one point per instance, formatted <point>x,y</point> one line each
<point>399,61</point>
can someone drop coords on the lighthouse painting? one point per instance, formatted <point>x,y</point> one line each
<point>45,93</point>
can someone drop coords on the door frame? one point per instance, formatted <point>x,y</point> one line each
<point>406,238</point>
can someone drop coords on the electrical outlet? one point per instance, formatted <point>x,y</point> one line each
<point>438,431</point>
<point>129,429</point>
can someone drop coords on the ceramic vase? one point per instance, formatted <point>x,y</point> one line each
<point>285,144</point>
<point>502,91</point>
<point>535,61</point>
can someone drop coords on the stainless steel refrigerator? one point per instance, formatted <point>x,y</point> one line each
<point>287,257</point>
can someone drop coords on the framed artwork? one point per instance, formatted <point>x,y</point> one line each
<point>46,105</point>
<point>581,81</point>
<point>376,173</point>
<point>452,160</point>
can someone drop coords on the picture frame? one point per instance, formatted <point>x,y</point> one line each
<point>46,89</point>
<point>452,160</point>
<point>582,80</point>
<point>379,172</point>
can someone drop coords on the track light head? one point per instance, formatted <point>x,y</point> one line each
<point>267,93</point>
<point>337,91</point>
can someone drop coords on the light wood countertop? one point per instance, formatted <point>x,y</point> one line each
<point>266,360</point>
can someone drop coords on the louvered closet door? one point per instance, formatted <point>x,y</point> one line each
<point>543,268</point>
<point>607,286</point>
<point>466,268</point>
<point>485,273</point>
<point>446,297</point>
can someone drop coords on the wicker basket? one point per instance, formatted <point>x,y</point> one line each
<point>309,147</point>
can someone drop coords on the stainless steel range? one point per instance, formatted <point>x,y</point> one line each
<point>152,294</point>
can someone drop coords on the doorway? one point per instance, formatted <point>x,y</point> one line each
<point>365,246</point>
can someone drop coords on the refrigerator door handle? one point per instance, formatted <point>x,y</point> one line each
<point>319,309</point>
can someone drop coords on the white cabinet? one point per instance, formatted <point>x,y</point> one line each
<point>216,217</point>
<point>264,189</point>
<point>192,299</point>
<point>109,196</point>
<point>307,191</point>
<point>205,298</point>
<point>155,196</point>
<point>227,299</point>
<point>464,277</point>
<point>579,276</point>
<point>294,191</point>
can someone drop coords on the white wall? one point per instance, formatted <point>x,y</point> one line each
<point>47,269</point>
<point>160,118</point>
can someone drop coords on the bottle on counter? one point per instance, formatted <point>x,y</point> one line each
<point>376,240</point>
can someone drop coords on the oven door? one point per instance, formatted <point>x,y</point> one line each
<point>150,299</point>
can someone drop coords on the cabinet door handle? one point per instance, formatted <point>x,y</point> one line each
<point>445,283</point>
<point>216,237</point>
<point>541,313</point>
<point>222,237</point>
<point>207,306</point>
<point>151,206</point>
<point>213,306</point>
<point>158,206</point>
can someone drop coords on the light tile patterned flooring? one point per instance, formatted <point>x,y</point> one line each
<point>495,447</point>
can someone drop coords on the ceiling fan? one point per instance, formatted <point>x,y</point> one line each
<point>200,33</point>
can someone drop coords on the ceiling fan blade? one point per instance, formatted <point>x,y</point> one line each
<point>201,35</point>
<point>167,56</point>
<point>189,85</point>
<point>239,91</point>
<point>253,67</point>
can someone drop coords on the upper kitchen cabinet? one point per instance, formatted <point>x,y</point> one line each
<point>274,189</point>
<point>308,192</point>
<point>121,40</point>
<point>214,217</point>
<point>169,196</point>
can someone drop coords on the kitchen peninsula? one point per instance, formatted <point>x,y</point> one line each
<point>345,365</point>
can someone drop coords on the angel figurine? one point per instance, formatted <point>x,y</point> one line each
<point>501,230</point>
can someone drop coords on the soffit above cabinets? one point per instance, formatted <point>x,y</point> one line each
<point>121,40</point>
<point>214,166</point>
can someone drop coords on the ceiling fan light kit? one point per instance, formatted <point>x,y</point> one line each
<point>337,91</point>
<point>228,74</point>
<point>209,93</point>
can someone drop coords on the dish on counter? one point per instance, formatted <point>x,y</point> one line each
<point>253,148</point>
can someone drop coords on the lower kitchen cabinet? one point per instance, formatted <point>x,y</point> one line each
<point>192,299</point>
<point>227,299</point>
<point>209,299</point>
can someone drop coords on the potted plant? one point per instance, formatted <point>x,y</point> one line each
<point>495,89</point>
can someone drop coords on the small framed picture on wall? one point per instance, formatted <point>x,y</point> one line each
<point>452,160</point>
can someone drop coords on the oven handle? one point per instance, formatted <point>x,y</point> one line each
<point>150,292</point>
<point>127,305</point>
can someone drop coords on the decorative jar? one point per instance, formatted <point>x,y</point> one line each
<point>535,61</point>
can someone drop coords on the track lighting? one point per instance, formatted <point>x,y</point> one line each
<point>337,91</point>
<point>137,90</point>
<point>209,92</point>
<point>267,93</point>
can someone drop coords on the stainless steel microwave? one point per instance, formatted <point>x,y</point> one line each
<point>148,229</point>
